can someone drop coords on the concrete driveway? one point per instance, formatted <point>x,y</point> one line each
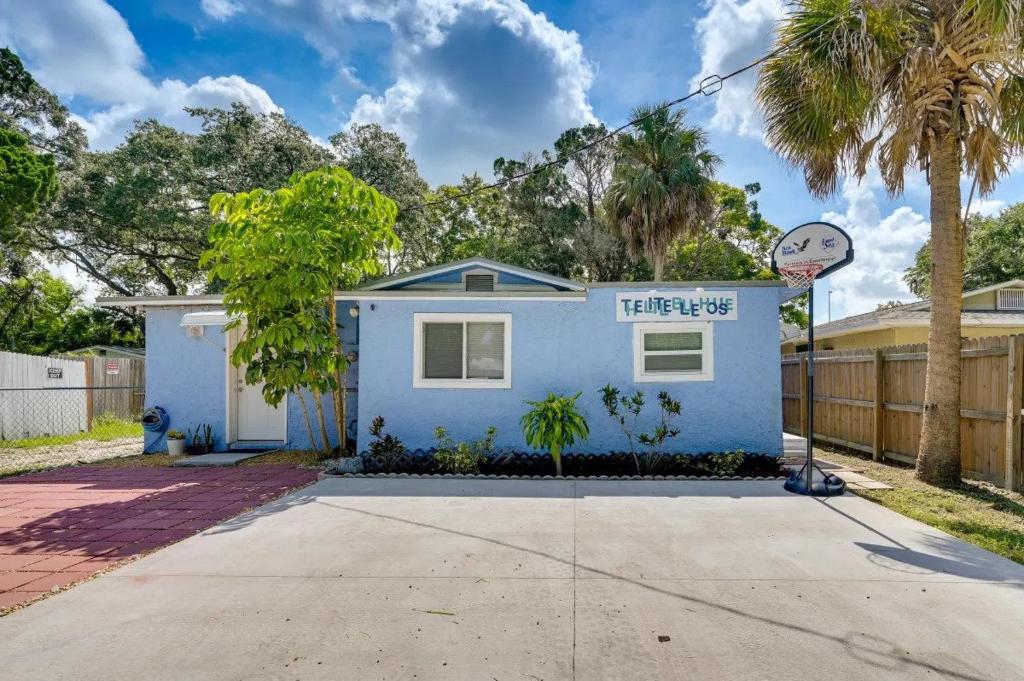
<point>513,580</point>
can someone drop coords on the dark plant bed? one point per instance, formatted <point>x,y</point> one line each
<point>615,464</point>
<point>197,450</point>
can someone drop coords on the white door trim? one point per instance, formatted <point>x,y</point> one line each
<point>231,400</point>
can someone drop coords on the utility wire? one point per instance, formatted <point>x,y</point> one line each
<point>707,87</point>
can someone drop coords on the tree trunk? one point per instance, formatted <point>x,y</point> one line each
<point>658,263</point>
<point>322,422</point>
<point>556,454</point>
<point>938,459</point>
<point>309,424</point>
<point>341,394</point>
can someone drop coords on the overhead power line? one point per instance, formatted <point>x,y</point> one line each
<point>708,86</point>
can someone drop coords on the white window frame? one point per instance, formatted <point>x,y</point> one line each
<point>419,319</point>
<point>707,372</point>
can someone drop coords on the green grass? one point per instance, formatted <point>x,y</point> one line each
<point>104,428</point>
<point>977,512</point>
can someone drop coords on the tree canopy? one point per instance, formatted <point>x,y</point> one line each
<point>134,218</point>
<point>994,253</point>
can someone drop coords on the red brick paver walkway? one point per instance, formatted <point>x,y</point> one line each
<point>62,526</point>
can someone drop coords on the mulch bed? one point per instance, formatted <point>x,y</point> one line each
<point>63,526</point>
<point>615,464</point>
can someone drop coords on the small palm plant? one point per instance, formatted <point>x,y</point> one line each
<point>554,424</point>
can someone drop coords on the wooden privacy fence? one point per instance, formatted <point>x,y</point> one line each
<point>118,386</point>
<point>872,399</point>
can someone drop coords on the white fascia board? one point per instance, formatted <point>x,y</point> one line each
<point>159,301</point>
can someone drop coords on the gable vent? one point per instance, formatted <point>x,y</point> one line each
<point>479,282</point>
<point>1011,299</point>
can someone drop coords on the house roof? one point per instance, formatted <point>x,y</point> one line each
<point>918,313</point>
<point>426,272</point>
<point>123,349</point>
<point>396,287</point>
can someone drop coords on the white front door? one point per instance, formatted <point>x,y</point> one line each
<point>251,418</point>
<point>256,419</point>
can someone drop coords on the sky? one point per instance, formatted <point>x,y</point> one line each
<point>465,82</point>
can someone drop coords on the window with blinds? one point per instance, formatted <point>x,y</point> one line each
<point>672,352</point>
<point>462,350</point>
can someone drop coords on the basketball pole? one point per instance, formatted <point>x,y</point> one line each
<point>809,466</point>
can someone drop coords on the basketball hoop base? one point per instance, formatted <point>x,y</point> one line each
<point>827,486</point>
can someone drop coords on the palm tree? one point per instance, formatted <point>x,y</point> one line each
<point>661,184</point>
<point>935,83</point>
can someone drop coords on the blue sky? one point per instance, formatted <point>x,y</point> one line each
<point>463,82</point>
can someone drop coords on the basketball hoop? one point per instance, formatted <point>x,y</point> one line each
<point>802,255</point>
<point>801,276</point>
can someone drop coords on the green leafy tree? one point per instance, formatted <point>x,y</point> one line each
<point>41,314</point>
<point>661,185</point>
<point>381,159</point>
<point>280,256</point>
<point>554,424</point>
<point>135,218</point>
<point>35,112</point>
<point>937,84</point>
<point>27,181</point>
<point>994,253</point>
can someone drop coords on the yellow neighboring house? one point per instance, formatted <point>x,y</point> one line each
<point>996,310</point>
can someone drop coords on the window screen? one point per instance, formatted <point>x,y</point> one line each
<point>485,350</point>
<point>442,350</point>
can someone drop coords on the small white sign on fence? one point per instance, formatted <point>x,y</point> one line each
<point>113,368</point>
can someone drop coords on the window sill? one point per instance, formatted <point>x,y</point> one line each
<point>672,378</point>
<point>462,384</point>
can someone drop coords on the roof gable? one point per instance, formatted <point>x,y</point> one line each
<point>447,276</point>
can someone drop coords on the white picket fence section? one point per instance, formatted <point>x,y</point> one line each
<point>38,413</point>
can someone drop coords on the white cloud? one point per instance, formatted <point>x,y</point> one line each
<point>471,80</point>
<point>884,247</point>
<point>85,49</point>
<point>987,207</point>
<point>221,10</point>
<point>732,34</point>
<point>166,103</point>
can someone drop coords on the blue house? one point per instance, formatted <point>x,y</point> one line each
<point>463,345</point>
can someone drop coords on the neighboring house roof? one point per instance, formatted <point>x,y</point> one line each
<point>787,331</point>
<point>108,350</point>
<point>918,313</point>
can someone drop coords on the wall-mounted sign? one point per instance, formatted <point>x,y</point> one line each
<point>676,306</point>
<point>113,368</point>
<point>54,372</point>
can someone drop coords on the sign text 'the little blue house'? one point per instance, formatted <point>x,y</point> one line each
<point>676,306</point>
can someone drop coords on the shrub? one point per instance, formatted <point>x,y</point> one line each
<point>462,457</point>
<point>656,440</point>
<point>625,409</point>
<point>724,464</point>
<point>385,448</point>
<point>554,424</point>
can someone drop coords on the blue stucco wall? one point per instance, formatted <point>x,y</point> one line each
<point>577,346</point>
<point>186,376</point>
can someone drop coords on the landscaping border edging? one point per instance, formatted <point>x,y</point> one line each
<point>610,478</point>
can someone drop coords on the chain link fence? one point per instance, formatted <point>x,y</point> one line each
<point>35,416</point>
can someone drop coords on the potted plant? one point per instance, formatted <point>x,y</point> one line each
<point>197,444</point>
<point>175,442</point>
